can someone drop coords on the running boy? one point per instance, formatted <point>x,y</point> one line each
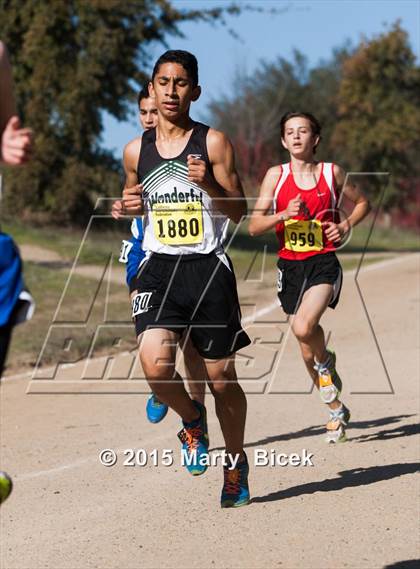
<point>132,254</point>
<point>182,177</point>
<point>299,199</point>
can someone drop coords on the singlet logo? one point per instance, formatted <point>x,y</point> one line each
<point>178,212</point>
<point>177,196</point>
<point>305,210</point>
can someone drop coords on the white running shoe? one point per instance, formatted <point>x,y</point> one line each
<point>339,419</point>
<point>330,384</point>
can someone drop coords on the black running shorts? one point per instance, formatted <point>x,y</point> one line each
<point>296,277</point>
<point>132,285</point>
<point>196,292</point>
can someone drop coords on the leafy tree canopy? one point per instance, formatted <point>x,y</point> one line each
<point>366,97</point>
<point>72,60</point>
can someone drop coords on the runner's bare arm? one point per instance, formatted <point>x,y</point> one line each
<point>7,101</point>
<point>225,188</point>
<point>261,220</point>
<point>355,195</point>
<point>132,202</point>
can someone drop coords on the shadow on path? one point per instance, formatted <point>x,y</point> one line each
<point>319,430</point>
<point>400,431</point>
<point>347,479</point>
<point>408,564</point>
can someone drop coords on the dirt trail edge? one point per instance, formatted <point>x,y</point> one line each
<point>357,506</point>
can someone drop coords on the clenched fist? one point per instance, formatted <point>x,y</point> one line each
<point>16,143</point>
<point>197,169</point>
<point>132,201</point>
<point>117,209</point>
<point>333,231</point>
<point>293,206</point>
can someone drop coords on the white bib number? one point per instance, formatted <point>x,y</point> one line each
<point>141,303</point>
<point>126,247</point>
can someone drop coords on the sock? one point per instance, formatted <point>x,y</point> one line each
<point>194,423</point>
<point>326,364</point>
<point>338,410</point>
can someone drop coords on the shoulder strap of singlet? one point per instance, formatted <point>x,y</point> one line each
<point>148,137</point>
<point>200,134</point>
<point>328,172</point>
<point>284,172</point>
<point>199,137</point>
<point>200,129</point>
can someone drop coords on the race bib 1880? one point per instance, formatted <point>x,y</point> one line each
<point>178,223</point>
<point>303,235</point>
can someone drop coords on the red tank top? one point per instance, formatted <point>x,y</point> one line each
<point>303,236</point>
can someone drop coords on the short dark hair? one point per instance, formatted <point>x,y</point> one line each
<point>184,58</point>
<point>143,93</point>
<point>314,122</point>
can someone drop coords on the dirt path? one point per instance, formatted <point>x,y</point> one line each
<point>38,254</point>
<point>356,507</point>
<point>44,256</point>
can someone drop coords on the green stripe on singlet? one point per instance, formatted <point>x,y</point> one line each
<point>163,173</point>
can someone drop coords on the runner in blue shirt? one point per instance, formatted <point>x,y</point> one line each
<point>16,304</point>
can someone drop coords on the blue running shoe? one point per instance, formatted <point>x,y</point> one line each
<point>195,443</point>
<point>155,409</point>
<point>235,492</point>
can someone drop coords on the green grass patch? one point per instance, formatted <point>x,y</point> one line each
<point>86,304</point>
<point>95,246</point>
<point>382,239</point>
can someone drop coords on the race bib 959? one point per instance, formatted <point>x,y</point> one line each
<point>303,235</point>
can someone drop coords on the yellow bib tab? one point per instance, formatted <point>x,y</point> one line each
<point>303,235</point>
<point>178,223</point>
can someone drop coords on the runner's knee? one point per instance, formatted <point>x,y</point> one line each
<point>223,385</point>
<point>303,329</point>
<point>156,371</point>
